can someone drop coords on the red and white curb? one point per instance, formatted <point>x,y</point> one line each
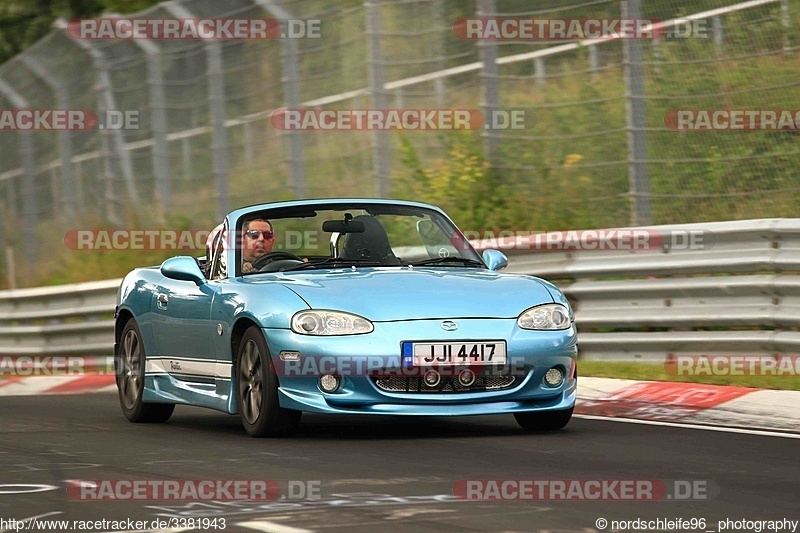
<point>689,403</point>
<point>38,385</point>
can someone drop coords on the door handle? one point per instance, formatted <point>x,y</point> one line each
<point>163,300</point>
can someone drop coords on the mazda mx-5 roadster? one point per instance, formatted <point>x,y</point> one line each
<point>343,306</point>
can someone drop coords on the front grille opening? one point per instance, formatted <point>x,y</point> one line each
<point>447,385</point>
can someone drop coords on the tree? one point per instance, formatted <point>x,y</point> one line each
<point>23,22</point>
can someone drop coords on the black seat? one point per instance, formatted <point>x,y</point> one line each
<point>371,245</point>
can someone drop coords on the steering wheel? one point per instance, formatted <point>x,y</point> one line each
<point>262,261</point>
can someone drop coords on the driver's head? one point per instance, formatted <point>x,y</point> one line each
<point>258,238</point>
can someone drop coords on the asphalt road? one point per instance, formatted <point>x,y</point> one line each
<point>380,474</point>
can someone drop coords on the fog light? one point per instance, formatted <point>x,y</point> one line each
<point>329,383</point>
<point>466,377</point>
<point>431,378</point>
<point>554,377</point>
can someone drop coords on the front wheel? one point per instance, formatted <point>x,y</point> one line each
<point>257,390</point>
<point>129,366</point>
<point>544,421</point>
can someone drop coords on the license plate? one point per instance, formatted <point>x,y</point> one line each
<point>454,353</point>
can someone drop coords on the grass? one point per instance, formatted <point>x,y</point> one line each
<point>654,372</point>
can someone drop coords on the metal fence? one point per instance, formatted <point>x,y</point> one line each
<point>597,152</point>
<point>738,295</point>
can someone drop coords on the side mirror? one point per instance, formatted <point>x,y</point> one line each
<point>495,259</point>
<point>183,268</point>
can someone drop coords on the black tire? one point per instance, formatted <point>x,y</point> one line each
<point>257,390</point>
<point>544,421</point>
<point>129,367</point>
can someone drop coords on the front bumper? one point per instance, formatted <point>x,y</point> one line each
<point>530,354</point>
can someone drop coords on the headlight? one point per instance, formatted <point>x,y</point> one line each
<point>329,323</point>
<point>550,316</point>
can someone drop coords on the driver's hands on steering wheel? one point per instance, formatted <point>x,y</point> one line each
<point>260,262</point>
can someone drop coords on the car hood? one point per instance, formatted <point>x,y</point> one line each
<point>401,294</point>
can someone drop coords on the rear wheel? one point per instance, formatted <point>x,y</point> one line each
<point>129,365</point>
<point>544,421</point>
<point>257,390</point>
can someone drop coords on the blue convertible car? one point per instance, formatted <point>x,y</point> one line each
<point>351,306</point>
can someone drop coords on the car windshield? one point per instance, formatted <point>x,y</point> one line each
<point>312,238</point>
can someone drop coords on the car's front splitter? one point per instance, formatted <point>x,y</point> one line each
<point>320,403</point>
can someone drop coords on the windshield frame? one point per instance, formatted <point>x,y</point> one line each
<point>307,209</point>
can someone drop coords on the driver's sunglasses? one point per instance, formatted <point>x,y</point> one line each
<point>254,233</point>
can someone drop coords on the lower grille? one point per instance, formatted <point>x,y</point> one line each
<point>448,384</point>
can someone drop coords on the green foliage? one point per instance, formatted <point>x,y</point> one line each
<point>23,22</point>
<point>462,184</point>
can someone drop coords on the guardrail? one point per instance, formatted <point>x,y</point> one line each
<point>66,319</point>
<point>736,291</point>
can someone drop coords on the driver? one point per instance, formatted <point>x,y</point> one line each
<point>259,238</point>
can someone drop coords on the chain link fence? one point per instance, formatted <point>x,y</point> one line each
<point>595,151</point>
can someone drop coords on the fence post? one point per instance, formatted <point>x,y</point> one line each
<point>291,88</point>
<point>186,157</point>
<point>594,58</point>
<point>158,121</point>
<point>440,21</point>
<point>538,65</point>
<point>26,154</point>
<point>716,30</point>
<point>11,195</point>
<point>71,203</point>
<point>77,180</point>
<point>219,143</point>
<point>216,104</point>
<point>11,271</point>
<point>247,130</point>
<point>381,150</point>
<point>491,94</point>
<point>107,102</point>
<point>658,55</point>
<point>786,22</point>
<point>109,199</point>
<point>636,120</point>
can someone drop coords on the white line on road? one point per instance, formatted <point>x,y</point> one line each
<point>169,530</point>
<point>271,527</point>
<point>760,432</point>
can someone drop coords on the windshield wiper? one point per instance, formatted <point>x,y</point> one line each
<point>337,261</point>
<point>448,261</point>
